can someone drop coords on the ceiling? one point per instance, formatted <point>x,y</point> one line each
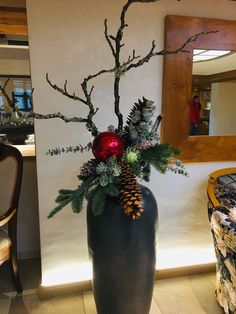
<point>218,65</point>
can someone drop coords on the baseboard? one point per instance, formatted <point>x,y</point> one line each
<point>185,271</point>
<point>44,292</point>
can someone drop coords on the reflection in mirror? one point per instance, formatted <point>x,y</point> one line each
<point>15,90</point>
<point>214,81</point>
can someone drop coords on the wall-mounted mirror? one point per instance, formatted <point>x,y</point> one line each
<point>183,79</point>
<point>15,82</point>
<point>214,85</point>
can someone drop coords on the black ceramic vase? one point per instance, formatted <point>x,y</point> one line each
<point>123,257</point>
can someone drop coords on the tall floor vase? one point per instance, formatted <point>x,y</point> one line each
<point>123,256</point>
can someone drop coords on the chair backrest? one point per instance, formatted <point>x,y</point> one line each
<point>212,180</point>
<point>11,168</point>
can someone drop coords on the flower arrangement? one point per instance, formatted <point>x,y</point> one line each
<point>122,154</point>
<point>120,158</point>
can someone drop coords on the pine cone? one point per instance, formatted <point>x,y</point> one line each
<point>130,193</point>
<point>88,168</point>
<point>145,145</point>
<point>138,125</point>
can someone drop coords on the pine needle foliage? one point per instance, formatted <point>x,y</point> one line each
<point>64,198</point>
<point>159,156</point>
<point>138,127</point>
<point>103,182</point>
<point>69,149</point>
<point>110,178</point>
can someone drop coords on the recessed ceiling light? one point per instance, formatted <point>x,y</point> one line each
<point>204,55</point>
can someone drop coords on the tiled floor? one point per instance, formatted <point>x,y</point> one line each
<point>183,295</point>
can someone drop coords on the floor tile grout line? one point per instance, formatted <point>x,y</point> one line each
<point>210,280</point>
<point>157,304</point>
<point>85,312</point>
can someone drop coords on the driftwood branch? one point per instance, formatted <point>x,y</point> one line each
<point>120,67</point>
<point>58,115</point>
<point>108,38</point>
<point>163,52</point>
<point>64,91</point>
<point>86,101</point>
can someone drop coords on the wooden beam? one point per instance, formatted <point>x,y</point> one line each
<point>13,21</point>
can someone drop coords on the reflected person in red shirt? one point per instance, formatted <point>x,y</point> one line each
<point>195,108</point>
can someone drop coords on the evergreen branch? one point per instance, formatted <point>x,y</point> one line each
<point>64,198</point>
<point>112,190</point>
<point>58,208</point>
<point>91,189</point>
<point>159,156</point>
<point>75,197</point>
<point>98,201</point>
<point>69,149</point>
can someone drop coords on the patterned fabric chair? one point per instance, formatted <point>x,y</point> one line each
<point>222,216</point>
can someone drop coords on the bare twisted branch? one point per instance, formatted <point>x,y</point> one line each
<point>120,68</point>
<point>64,91</point>
<point>133,61</point>
<point>57,115</point>
<point>87,101</point>
<point>163,52</point>
<point>108,38</point>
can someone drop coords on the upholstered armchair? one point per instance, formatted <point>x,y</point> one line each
<point>11,166</point>
<point>222,216</point>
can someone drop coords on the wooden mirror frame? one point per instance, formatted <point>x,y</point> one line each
<point>177,87</point>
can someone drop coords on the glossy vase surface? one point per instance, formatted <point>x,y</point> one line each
<point>123,256</point>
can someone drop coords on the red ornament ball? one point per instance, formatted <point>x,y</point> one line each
<point>108,144</point>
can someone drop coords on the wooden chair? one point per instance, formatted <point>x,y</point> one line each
<point>11,162</point>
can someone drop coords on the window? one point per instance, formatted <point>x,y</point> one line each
<point>22,93</point>
<point>19,90</point>
<point>23,100</point>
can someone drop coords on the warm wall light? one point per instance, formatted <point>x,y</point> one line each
<point>166,259</point>
<point>67,274</point>
<point>184,256</point>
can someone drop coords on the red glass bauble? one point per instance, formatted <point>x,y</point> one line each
<point>108,144</point>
